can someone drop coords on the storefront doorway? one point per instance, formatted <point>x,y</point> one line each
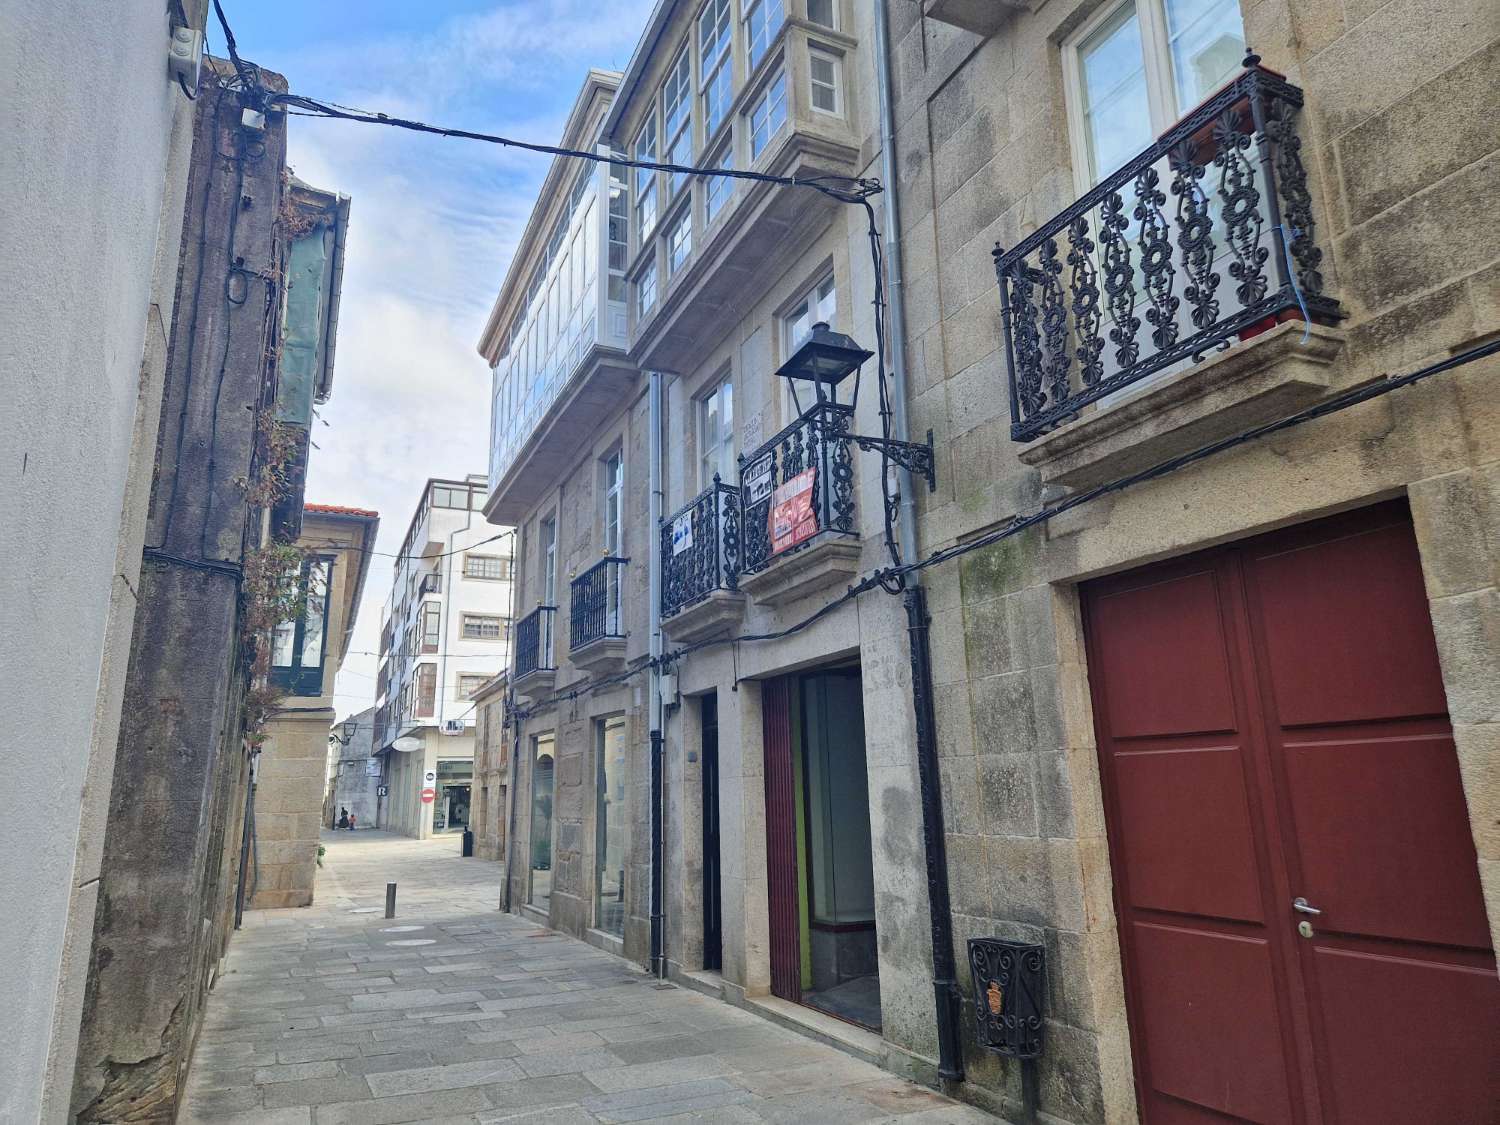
<point>819,863</point>
<point>612,826</point>
<point>455,780</point>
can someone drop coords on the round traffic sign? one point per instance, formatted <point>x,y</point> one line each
<point>428,795</point>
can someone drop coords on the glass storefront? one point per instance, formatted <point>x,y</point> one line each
<point>612,826</point>
<point>455,780</point>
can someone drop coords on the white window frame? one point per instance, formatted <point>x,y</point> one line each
<point>718,187</point>
<point>833,14</point>
<point>809,299</point>
<point>757,20</point>
<point>764,101</point>
<point>547,533</point>
<point>836,61</point>
<point>1161,89</point>
<point>465,618</point>
<point>642,305</point>
<point>612,506</point>
<point>714,69</point>
<point>711,455</point>
<point>677,94</point>
<point>645,186</point>
<point>679,240</point>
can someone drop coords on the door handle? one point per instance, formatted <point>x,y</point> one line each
<point>1300,905</point>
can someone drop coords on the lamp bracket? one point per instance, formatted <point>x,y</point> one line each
<point>914,457</point>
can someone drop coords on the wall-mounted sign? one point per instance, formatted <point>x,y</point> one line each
<point>382,790</point>
<point>428,795</point>
<point>372,768</point>
<point>758,481</point>
<point>407,743</point>
<point>429,778</point>
<point>682,533</point>
<point>792,519</point>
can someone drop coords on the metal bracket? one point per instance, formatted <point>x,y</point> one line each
<point>914,457</point>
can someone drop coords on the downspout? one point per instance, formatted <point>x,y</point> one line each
<point>512,776</point>
<point>946,999</point>
<point>653,587</point>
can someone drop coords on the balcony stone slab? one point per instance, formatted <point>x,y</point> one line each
<point>719,613</point>
<point>600,657</point>
<point>832,562</point>
<point>536,684</point>
<point>1255,381</point>
<point>983,17</point>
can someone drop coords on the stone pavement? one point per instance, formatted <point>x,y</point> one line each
<point>454,1012</point>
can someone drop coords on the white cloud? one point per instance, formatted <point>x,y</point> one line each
<point>433,225</point>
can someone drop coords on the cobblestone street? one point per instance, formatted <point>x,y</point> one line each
<point>454,1012</point>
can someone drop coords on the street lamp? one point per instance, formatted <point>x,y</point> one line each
<point>825,359</point>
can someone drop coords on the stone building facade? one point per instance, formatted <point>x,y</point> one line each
<point>492,752</point>
<point>353,784</point>
<point>1046,841</point>
<point>1148,706</point>
<point>291,774</point>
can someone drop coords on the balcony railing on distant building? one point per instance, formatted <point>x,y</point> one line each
<point>432,584</point>
<point>534,641</point>
<point>700,548</point>
<point>1203,238</point>
<point>806,473</point>
<point>595,606</point>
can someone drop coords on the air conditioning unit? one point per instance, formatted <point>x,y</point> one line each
<point>454,726</point>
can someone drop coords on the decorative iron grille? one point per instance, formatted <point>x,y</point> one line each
<point>700,548</point>
<point>534,641</point>
<point>1124,283</point>
<point>595,612</point>
<point>1010,981</point>
<point>817,441</point>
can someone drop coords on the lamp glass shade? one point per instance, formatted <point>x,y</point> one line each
<point>826,356</point>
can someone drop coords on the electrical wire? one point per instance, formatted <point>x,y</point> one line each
<point>330,545</point>
<point>1344,401</point>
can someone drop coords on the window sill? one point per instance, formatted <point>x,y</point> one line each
<point>1256,381</point>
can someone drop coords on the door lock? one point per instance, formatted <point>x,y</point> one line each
<point>1301,905</point>
<point>1304,928</point>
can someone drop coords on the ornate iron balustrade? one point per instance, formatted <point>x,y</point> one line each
<point>700,548</point>
<point>534,641</point>
<point>818,441</point>
<point>1123,284</point>
<point>595,603</point>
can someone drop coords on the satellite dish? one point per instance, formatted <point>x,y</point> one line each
<point>406,744</point>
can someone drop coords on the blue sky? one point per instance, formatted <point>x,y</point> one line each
<point>432,226</point>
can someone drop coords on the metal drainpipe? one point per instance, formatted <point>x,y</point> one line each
<point>946,997</point>
<point>512,776</point>
<point>653,586</point>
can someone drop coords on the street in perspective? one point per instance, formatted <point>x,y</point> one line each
<point>452,1011</point>
<point>911,561</point>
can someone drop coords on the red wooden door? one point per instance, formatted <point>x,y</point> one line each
<point>781,840</point>
<point>1272,726</point>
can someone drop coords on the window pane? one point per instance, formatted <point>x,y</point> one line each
<point>820,11</point>
<point>1116,114</point>
<point>314,615</point>
<point>719,188</point>
<point>646,288</point>
<point>824,74</point>
<point>282,640</point>
<point>680,242</point>
<point>1208,45</point>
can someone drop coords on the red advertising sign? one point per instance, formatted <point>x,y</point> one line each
<point>428,795</point>
<point>792,519</point>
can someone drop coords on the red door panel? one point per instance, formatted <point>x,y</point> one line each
<point>1411,1040</point>
<point>1346,629</point>
<point>1208,1016</point>
<point>1376,822</point>
<point>781,840</point>
<point>1186,816</point>
<point>1168,667</point>
<point>1333,778</point>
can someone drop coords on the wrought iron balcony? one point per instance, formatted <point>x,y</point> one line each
<point>595,614</point>
<point>534,641</point>
<point>700,548</point>
<point>805,473</point>
<point>1204,238</point>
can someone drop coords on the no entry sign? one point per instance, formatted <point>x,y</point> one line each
<point>428,795</point>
